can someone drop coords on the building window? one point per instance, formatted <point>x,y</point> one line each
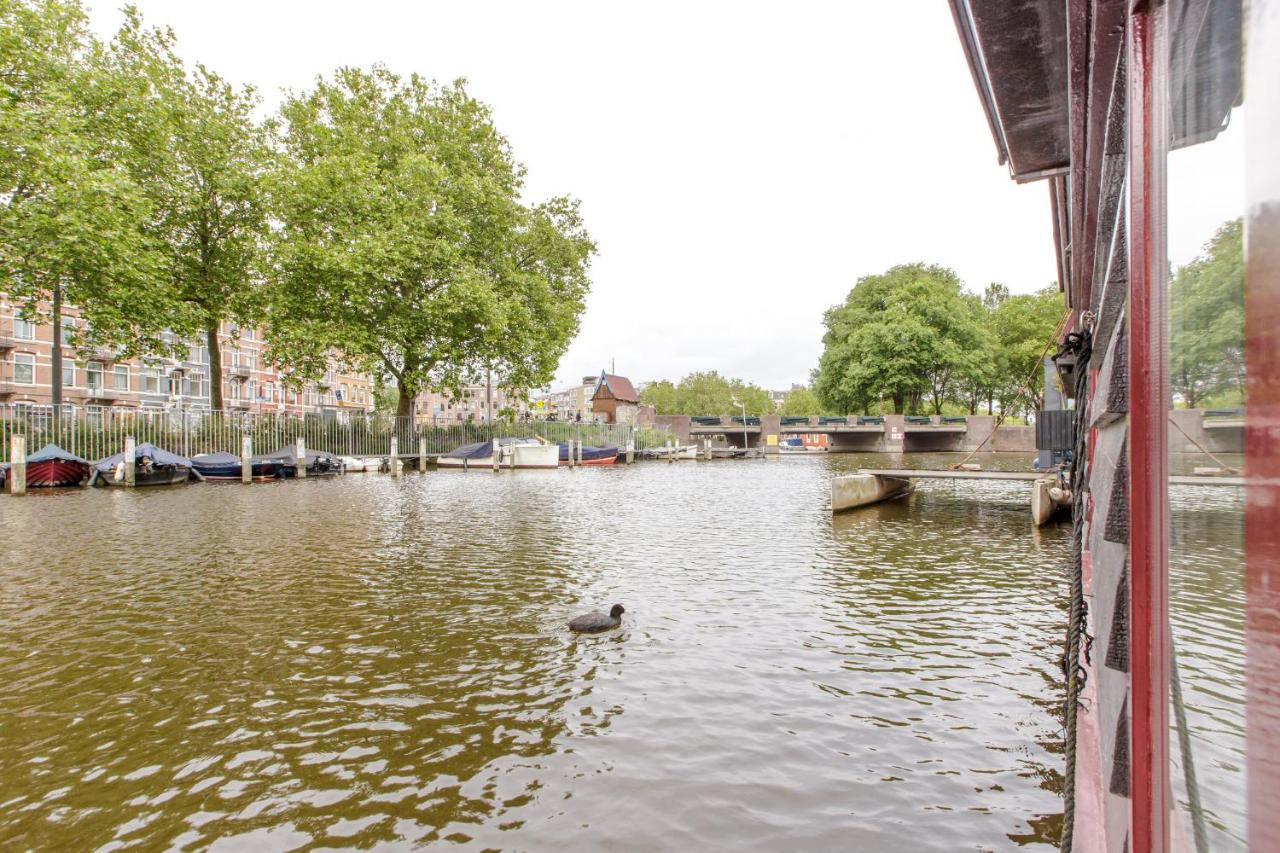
<point>68,330</point>
<point>151,380</point>
<point>120,377</point>
<point>93,371</point>
<point>24,330</point>
<point>24,368</point>
<point>68,374</point>
<point>253,390</point>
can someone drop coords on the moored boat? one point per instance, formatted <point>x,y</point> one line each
<point>152,467</point>
<point>508,453</point>
<point>590,455</point>
<point>51,466</point>
<point>225,466</point>
<point>318,464</point>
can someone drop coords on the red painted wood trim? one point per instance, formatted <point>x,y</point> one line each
<point>1148,399</point>
<point>1262,431</point>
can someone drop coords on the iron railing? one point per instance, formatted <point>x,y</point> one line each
<point>95,432</point>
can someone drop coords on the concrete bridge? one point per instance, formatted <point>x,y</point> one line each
<point>1217,432</point>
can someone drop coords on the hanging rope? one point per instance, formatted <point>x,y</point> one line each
<point>1198,829</point>
<point>1026,387</point>
<point>1077,615</point>
<point>1202,448</point>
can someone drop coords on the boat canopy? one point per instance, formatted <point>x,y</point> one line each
<point>289,453</point>
<point>212,459</point>
<point>484,449</point>
<point>54,453</point>
<point>158,456</point>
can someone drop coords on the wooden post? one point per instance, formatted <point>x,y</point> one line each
<point>130,461</point>
<point>422,455</point>
<point>17,465</point>
<point>395,456</point>
<point>671,452</point>
<point>631,450</point>
<point>302,457</point>
<point>497,455</point>
<point>246,459</point>
<point>579,451</point>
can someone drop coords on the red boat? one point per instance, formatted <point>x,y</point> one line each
<point>53,466</point>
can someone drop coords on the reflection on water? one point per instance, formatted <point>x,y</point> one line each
<point>1206,595</point>
<point>362,660</point>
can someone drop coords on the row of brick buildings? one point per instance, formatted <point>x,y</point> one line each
<point>99,377</point>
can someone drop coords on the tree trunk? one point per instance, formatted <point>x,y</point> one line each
<point>57,348</point>
<point>404,405</point>
<point>897,402</point>
<point>991,404</point>
<point>215,366</point>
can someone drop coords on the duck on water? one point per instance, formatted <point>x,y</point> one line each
<point>597,621</point>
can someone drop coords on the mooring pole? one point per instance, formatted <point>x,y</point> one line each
<point>395,456</point>
<point>18,465</point>
<point>497,455</point>
<point>130,461</point>
<point>422,455</point>
<point>246,459</point>
<point>301,453</point>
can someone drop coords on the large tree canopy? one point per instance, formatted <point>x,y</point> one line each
<point>902,335</point>
<point>202,159</point>
<point>403,243</point>
<point>76,223</point>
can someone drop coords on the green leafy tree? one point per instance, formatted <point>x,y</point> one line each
<point>756,400</point>
<point>1206,320</point>
<point>196,148</point>
<point>76,223</point>
<point>800,401</point>
<point>662,396</point>
<point>903,335</point>
<point>404,245</point>
<point>1023,324</point>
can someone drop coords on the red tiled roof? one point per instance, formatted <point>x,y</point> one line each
<point>620,388</point>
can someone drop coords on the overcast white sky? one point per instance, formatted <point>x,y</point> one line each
<point>740,164</point>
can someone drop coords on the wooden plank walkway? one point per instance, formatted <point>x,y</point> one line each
<point>920,474</point>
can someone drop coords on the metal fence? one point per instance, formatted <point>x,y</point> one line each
<point>98,432</point>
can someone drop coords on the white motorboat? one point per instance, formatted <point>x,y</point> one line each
<point>507,452</point>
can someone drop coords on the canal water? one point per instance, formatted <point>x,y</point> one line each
<point>362,662</point>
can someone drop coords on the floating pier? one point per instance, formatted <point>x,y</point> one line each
<point>873,485</point>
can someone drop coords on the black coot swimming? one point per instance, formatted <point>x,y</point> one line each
<point>598,621</point>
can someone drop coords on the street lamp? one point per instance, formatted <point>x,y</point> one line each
<point>742,406</point>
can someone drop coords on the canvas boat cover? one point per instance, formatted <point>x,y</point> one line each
<point>289,453</point>
<point>158,456</point>
<point>484,449</point>
<point>214,460</point>
<point>54,453</point>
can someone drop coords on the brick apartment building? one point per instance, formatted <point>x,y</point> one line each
<point>99,377</point>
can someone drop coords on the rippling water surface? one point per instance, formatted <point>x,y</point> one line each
<point>364,661</point>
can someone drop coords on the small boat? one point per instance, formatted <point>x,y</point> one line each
<point>225,466</point>
<point>508,452</point>
<point>152,467</point>
<point>318,464</point>
<point>591,455</point>
<point>52,466</point>
<point>352,464</point>
<point>677,452</point>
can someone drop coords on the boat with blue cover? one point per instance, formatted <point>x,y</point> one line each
<point>225,466</point>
